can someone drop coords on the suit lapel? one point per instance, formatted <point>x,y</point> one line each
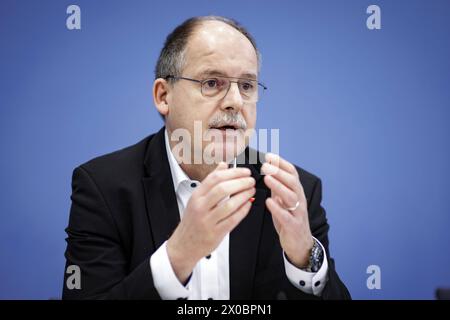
<point>160,198</point>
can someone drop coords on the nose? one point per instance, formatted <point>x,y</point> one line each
<point>233,99</point>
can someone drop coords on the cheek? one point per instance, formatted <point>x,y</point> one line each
<point>183,107</point>
<point>189,108</point>
<point>250,116</point>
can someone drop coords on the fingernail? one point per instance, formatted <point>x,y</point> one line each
<point>252,199</point>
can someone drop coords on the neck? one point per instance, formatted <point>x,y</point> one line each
<point>197,171</point>
<point>193,171</point>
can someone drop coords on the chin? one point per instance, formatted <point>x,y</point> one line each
<point>226,145</point>
<point>230,150</point>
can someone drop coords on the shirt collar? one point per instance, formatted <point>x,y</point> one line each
<point>178,175</point>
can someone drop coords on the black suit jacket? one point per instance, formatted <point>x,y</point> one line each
<point>124,207</point>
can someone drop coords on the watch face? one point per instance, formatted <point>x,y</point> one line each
<point>316,258</point>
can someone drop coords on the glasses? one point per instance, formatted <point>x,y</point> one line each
<point>218,87</point>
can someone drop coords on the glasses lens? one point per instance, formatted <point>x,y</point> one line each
<point>214,86</point>
<point>218,87</point>
<point>248,89</point>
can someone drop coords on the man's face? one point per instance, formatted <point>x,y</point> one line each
<point>215,49</point>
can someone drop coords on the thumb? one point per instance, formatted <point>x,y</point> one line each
<point>221,166</point>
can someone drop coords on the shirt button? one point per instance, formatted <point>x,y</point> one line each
<point>208,256</point>
<point>193,185</point>
<point>210,299</point>
<point>302,283</point>
<point>317,283</point>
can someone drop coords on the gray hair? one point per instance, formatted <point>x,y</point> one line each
<point>171,59</point>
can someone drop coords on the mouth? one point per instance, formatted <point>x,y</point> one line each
<point>225,127</point>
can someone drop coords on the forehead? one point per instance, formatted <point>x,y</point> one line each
<point>218,47</point>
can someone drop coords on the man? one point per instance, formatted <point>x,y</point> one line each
<point>149,223</point>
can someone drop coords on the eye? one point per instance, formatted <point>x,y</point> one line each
<point>211,83</point>
<point>247,86</point>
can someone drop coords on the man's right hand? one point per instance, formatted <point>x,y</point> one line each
<point>208,217</point>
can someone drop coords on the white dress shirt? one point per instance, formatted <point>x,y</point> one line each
<point>210,278</point>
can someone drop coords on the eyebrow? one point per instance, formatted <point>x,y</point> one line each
<point>213,72</point>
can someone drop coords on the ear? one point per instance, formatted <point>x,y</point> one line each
<point>161,90</point>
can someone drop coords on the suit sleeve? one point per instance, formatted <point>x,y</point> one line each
<point>271,281</point>
<point>95,247</point>
<point>334,288</point>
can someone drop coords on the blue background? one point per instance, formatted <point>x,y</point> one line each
<point>367,111</point>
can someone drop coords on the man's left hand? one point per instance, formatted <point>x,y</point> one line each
<point>292,225</point>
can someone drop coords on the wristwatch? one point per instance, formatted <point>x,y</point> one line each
<point>315,258</point>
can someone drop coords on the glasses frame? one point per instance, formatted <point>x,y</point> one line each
<point>212,77</point>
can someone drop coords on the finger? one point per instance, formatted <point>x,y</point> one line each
<point>288,179</point>
<point>276,223</point>
<point>278,161</point>
<point>227,225</point>
<point>281,215</point>
<point>229,207</point>
<point>285,165</point>
<point>219,175</point>
<point>227,188</point>
<point>288,196</point>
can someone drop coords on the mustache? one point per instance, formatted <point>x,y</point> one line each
<point>233,119</point>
